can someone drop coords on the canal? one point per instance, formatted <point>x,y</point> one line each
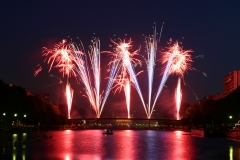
<point>122,145</point>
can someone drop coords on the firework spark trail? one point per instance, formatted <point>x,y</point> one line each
<point>61,55</point>
<point>39,69</point>
<point>122,64</point>
<point>178,96</point>
<point>113,74</point>
<point>127,62</point>
<point>95,63</point>
<point>181,61</point>
<point>178,62</point>
<point>92,93</point>
<point>163,81</point>
<point>122,53</point>
<point>127,90</point>
<point>69,96</point>
<point>72,60</point>
<point>151,44</point>
<point>123,82</point>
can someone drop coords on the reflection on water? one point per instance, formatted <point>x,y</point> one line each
<point>230,153</point>
<point>178,147</point>
<point>123,144</point>
<point>234,153</point>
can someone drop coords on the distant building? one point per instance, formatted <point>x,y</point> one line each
<point>231,81</point>
<point>123,121</point>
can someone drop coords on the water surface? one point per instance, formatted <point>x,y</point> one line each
<point>123,144</point>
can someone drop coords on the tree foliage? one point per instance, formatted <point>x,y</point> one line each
<point>15,100</point>
<point>209,111</point>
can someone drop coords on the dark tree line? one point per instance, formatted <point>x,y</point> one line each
<point>15,100</point>
<point>209,111</point>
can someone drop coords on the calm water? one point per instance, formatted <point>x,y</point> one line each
<point>123,144</point>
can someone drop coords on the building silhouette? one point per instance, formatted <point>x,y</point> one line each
<point>231,81</point>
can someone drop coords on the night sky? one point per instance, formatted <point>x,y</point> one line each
<point>209,28</point>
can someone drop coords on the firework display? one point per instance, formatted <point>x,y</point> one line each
<point>71,60</point>
<point>178,96</point>
<point>69,95</point>
<point>178,62</point>
<point>126,70</point>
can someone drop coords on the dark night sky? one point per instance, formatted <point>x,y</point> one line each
<point>209,28</point>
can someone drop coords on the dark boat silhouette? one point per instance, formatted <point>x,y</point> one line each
<point>108,132</point>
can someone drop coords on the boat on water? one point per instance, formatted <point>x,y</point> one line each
<point>108,132</point>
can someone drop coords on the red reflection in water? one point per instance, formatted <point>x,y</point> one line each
<point>234,153</point>
<point>68,140</point>
<point>72,151</point>
<point>126,149</point>
<point>82,156</point>
<point>123,144</point>
<point>178,146</point>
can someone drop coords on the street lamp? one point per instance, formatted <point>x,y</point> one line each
<point>4,114</point>
<point>15,115</point>
<point>25,115</point>
<point>230,117</point>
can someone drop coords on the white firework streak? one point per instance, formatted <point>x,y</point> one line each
<point>69,96</point>
<point>127,90</point>
<point>113,74</point>
<point>125,60</point>
<point>84,75</point>
<point>151,44</point>
<point>163,81</point>
<point>178,97</point>
<point>132,74</point>
<point>93,92</point>
<point>95,63</point>
<point>71,59</point>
